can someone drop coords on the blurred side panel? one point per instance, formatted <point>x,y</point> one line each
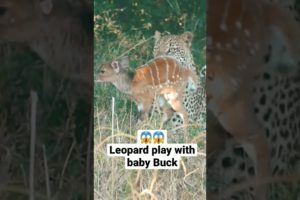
<point>46,67</point>
<point>253,98</point>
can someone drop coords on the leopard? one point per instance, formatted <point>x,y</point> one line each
<point>276,105</point>
<point>180,48</point>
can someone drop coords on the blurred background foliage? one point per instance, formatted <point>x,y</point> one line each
<point>119,20</point>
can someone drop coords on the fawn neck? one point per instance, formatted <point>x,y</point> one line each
<point>123,82</point>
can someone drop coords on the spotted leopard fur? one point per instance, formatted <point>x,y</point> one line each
<point>277,106</point>
<point>179,47</point>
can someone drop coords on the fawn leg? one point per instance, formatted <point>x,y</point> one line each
<point>144,106</point>
<point>177,105</point>
<point>166,109</point>
<point>167,113</point>
<point>241,122</point>
<point>216,137</point>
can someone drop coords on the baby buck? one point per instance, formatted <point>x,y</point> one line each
<point>163,77</point>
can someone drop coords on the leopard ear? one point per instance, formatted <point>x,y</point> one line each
<point>157,36</point>
<point>187,37</point>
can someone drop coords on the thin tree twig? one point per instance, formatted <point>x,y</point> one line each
<point>34,100</point>
<point>138,44</point>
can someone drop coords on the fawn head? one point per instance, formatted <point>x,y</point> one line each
<point>110,72</point>
<point>14,12</point>
<point>29,16</point>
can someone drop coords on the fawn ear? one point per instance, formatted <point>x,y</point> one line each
<point>115,65</point>
<point>124,62</point>
<point>45,6</point>
<point>282,59</point>
<point>157,36</point>
<point>187,37</point>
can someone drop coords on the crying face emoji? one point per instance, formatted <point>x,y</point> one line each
<point>158,137</point>
<point>146,137</point>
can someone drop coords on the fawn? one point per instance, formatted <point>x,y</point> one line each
<point>163,77</point>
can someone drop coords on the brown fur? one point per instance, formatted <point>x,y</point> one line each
<point>162,77</point>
